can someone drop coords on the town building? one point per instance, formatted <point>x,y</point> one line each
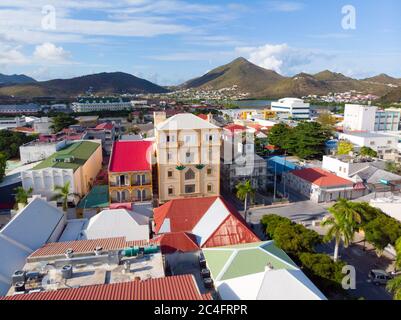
<point>239,161</point>
<point>386,146</point>
<point>188,156</point>
<point>10,123</point>
<point>77,163</point>
<point>320,185</point>
<point>370,118</point>
<point>28,108</point>
<point>130,172</point>
<point>258,271</point>
<point>95,201</point>
<point>43,125</point>
<point>87,121</point>
<point>104,132</point>
<point>37,150</point>
<point>212,220</point>
<point>292,108</point>
<point>91,104</point>
<point>32,227</point>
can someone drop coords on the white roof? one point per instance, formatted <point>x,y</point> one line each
<point>30,229</point>
<point>211,220</point>
<point>34,225</point>
<point>285,284</point>
<point>185,121</point>
<point>282,284</point>
<point>118,223</point>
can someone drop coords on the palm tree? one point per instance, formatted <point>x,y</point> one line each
<point>394,286</point>
<point>63,193</point>
<point>22,195</point>
<point>340,229</point>
<point>244,190</point>
<point>346,217</point>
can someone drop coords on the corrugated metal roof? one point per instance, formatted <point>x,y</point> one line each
<point>85,246</point>
<point>321,178</point>
<point>170,288</point>
<point>177,241</point>
<point>214,221</point>
<point>130,156</point>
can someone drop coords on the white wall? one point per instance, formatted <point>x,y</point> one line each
<point>359,117</point>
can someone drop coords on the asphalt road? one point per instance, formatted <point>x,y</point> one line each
<point>363,262</point>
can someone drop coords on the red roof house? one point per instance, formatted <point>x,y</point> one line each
<point>177,242</point>
<point>212,220</point>
<point>181,287</point>
<point>128,156</point>
<point>321,178</point>
<point>235,128</point>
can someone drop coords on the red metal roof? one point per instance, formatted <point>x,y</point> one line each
<point>181,287</point>
<point>203,116</point>
<point>321,178</point>
<point>105,126</point>
<point>130,156</point>
<point>234,128</point>
<point>177,241</point>
<point>85,246</point>
<point>184,215</point>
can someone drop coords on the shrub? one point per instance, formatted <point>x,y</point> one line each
<point>295,238</point>
<point>323,270</point>
<point>271,222</point>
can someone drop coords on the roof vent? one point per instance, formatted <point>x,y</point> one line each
<point>98,251</point>
<point>69,253</point>
<point>66,271</point>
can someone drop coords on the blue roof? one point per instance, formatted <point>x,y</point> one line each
<point>280,164</point>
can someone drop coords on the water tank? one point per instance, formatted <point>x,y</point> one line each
<point>66,271</point>
<point>151,249</point>
<point>18,276</point>
<point>19,287</point>
<point>130,252</point>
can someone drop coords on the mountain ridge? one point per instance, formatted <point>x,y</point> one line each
<point>99,83</point>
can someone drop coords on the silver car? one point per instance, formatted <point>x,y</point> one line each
<point>379,277</point>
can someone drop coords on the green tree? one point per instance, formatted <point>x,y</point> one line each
<point>327,120</point>
<point>393,167</point>
<point>245,191</point>
<point>368,152</point>
<point>344,147</point>
<point>62,121</point>
<point>307,140</point>
<point>63,193</point>
<point>271,222</point>
<point>294,238</point>
<point>339,230</point>
<point>3,165</point>
<point>11,141</point>
<point>398,256</point>
<point>394,286</point>
<point>322,270</point>
<point>382,231</point>
<point>278,135</point>
<point>22,195</point>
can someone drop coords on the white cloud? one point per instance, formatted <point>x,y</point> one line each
<point>281,57</point>
<point>284,6</point>
<point>50,52</point>
<point>12,56</point>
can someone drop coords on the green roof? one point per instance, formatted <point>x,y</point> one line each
<point>71,157</point>
<point>98,197</point>
<point>245,259</point>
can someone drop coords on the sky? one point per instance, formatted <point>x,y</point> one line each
<point>171,41</point>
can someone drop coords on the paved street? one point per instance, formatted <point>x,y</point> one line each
<point>363,261</point>
<point>297,211</point>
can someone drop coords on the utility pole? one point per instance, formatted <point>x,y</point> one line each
<point>275,181</point>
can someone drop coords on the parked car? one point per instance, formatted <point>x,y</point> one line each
<point>379,277</point>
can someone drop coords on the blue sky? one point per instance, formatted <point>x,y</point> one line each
<point>171,41</point>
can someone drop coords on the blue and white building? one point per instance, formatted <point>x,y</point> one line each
<point>293,108</point>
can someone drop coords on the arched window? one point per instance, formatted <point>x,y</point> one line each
<point>138,195</point>
<point>143,195</point>
<point>170,190</point>
<point>190,174</point>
